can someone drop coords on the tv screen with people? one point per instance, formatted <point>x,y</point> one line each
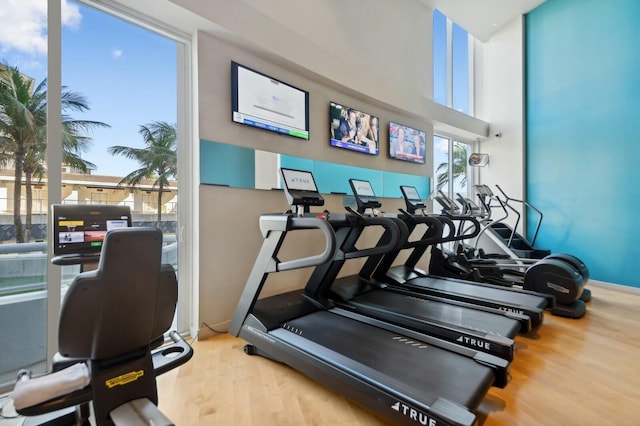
<point>267,103</point>
<point>406,143</point>
<point>354,130</point>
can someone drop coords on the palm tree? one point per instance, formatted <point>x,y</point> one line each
<point>459,166</point>
<point>157,161</point>
<point>23,115</point>
<point>73,145</point>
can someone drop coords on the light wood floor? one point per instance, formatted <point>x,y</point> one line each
<point>571,372</point>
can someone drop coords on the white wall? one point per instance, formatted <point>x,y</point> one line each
<point>500,91</point>
<point>383,55</point>
<point>380,38</point>
<point>360,44</point>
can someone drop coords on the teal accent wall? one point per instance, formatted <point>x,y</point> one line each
<point>583,123</point>
<point>334,178</point>
<point>231,165</point>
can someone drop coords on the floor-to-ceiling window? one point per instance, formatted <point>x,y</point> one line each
<point>452,87</point>
<point>452,173</point>
<point>452,64</point>
<point>123,96</point>
<point>23,124</point>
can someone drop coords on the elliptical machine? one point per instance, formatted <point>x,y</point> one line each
<point>562,276</point>
<point>510,244</point>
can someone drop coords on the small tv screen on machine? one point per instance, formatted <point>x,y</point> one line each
<point>412,198</point>
<point>80,229</point>
<point>365,197</point>
<point>301,188</point>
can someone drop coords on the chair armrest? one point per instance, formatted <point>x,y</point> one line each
<point>172,355</point>
<point>51,392</point>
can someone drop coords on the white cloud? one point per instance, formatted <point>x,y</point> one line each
<point>24,24</point>
<point>116,53</point>
<point>442,145</point>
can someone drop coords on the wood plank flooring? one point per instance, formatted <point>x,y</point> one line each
<point>569,372</point>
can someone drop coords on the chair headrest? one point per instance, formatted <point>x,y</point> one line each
<point>119,307</point>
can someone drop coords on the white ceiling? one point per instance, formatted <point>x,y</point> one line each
<point>482,18</point>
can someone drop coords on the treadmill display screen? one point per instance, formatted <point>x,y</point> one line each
<point>298,180</point>
<point>410,193</point>
<point>363,188</point>
<point>447,202</point>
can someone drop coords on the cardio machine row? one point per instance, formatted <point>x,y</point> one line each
<point>405,350</point>
<point>512,260</point>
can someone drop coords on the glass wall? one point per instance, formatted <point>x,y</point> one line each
<point>453,175</point>
<point>452,64</point>
<point>117,118</point>
<point>440,51</point>
<point>460,65</point>
<point>23,124</point>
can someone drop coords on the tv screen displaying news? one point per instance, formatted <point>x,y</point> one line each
<point>354,130</point>
<point>264,102</point>
<point>406,143</point>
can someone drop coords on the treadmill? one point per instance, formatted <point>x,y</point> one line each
<point>403,376</point>
<point>507,299</point>
<point>490,332</point>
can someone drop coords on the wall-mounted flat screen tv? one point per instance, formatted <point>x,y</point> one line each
<point>406,143</point>
<point>264,102</point>
<point>354,130</point>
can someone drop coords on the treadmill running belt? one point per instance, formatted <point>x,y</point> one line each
<point>424,309</point>
<point>413,368</point>
<point>481,291</point>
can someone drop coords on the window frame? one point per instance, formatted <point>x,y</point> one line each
<point>187,207</point>
<point>450,65</point>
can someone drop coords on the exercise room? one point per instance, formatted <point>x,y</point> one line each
<point>365,212</point>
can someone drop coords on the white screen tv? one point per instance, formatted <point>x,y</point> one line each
<point>264,102</point>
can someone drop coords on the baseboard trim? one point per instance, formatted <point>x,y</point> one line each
<point>206,331</point>
<point>615,287</point>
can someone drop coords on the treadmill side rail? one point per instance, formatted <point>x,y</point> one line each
<point>274,229</point>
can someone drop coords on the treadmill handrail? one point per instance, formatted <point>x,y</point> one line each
<point>431,236</point>
<point>274,230</point>
<point>451,227</point>
<point>397,236</point>
<point>292,223</point>
<point>464,235</point>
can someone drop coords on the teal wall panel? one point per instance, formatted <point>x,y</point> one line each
<point>583,86</point>
<point>223,164</point>
<point>297,163</point>
<point>335,177</point>
<point>393,181</point>
<point>231,165</point>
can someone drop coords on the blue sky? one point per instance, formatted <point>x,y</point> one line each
<point>127,74</point>
<point>460,75</point>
